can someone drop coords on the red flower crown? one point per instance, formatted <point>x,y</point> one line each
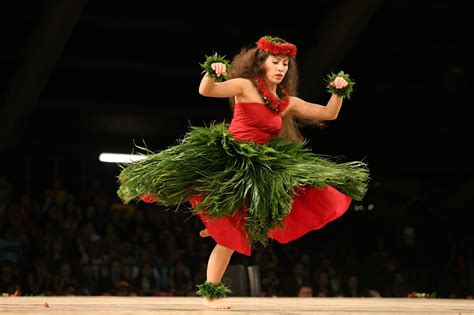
<point>270,45</point>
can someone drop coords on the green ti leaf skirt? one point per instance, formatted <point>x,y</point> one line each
<point>260,184</point>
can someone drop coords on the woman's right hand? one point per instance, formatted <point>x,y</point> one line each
<point>219,68</point>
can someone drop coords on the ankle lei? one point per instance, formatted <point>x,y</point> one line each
<point>213,290</point>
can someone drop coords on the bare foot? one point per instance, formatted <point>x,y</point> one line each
<point>204,233</point>
<point>218,304</point>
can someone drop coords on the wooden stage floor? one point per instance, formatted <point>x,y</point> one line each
<point>240,305</point>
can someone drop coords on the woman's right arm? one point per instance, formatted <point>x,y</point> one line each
<point>209,86</point>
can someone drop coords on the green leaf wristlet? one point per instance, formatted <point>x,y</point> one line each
<point>344,92</point>
<point>206,66</point>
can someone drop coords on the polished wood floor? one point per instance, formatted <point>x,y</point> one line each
<point>240,305</point>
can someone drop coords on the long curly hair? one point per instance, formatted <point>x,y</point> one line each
<point>248,64</point>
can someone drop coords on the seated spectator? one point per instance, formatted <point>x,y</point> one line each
<point>305,290</point>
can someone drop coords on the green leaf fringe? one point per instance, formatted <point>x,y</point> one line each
<point>206,66</point>
<point>345,92</point>
<point>212,290</point>
<point>230,175</point>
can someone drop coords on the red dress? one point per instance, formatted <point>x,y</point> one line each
<point>312,207</point>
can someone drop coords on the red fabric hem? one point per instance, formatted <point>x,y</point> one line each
<point>227,231</point>
<point>312,209</point>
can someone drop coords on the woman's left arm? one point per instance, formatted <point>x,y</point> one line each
<point>311,111</point>
<point>307,110</point>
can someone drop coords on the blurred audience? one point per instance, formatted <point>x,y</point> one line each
<point>86,242</point>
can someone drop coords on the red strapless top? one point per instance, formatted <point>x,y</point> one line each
<point>254,122</point>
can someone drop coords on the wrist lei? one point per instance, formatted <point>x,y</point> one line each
<point>344,92</point>
<point>206,66</point>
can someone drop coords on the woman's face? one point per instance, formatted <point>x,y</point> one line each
<point>275,68</point>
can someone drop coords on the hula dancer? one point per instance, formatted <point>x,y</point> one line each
<point>252,180</point>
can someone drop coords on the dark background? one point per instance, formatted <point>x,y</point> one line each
<point>83,77</point>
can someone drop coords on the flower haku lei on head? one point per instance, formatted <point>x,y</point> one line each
<point>276,47</point>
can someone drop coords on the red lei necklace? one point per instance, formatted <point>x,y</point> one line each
<point>274,103</point>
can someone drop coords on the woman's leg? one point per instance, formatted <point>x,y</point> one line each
<point>216,266</point>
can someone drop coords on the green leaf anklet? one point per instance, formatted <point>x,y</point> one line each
<point>213,290</point>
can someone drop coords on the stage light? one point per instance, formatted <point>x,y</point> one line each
<point>120,158</point>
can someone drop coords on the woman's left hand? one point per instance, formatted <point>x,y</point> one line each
<point>339,83</point>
